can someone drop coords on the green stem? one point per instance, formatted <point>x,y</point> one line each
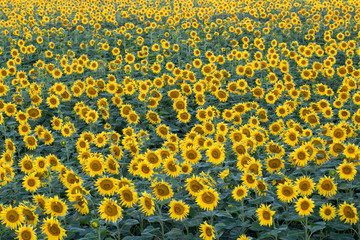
<point>118,231</point>
<point>276,235</point>
<point>306,228</point>
<point>99,234</point>
<point>160,221</point>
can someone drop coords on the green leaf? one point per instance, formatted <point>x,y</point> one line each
<point>174,233</point>
<point>131,222</point>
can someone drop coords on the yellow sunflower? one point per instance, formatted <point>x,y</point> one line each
<point>56,207</point>
<point>216,154</point>
<point>264,215</point>
<point>106,186</point>
<point>12,217</point>
<point>347,170</point>
<point>327,211</point>
<point>304,206</point>
<point>162,190</point>
<point>31,183</point>
<point>286,192</point>
<point>207,231</point>
<point>239,193</point>
<point>326,187</point>
<point>26,233</point>
<point>207,199</point>
<point>305,185</point>
<point>51,227</point>
<point>178,210</point>
<point>348,213</point>
<point>128,196</point>
<point>147,204</point>
<point>110,211</point>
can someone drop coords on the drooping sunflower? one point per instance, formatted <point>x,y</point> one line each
<point>56,207</point>
<point>347,170</point>
<point>304,206</point>
<point>178,210</point>
<point>106,186</point>
<point>51,227</point>
<point>110,211</point>
<point>327,211</point>
<point>326,187</point>
<point>207,231</point>
<point>286,192</point>
<point>348,213</point>
<point>207,199</point>
<point>147,204</point>
<point>239,193</point>
<point>26,232</point>
<point>194,185</point>
<point>264,215</point>
<point>162,190</point>
<point>12,217</point>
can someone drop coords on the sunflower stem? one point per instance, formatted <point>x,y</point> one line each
<point>160,221</point>
<point>99,234</point>
<point>242,213</point>
<point>276,235</point>
<point>118,231</point>
<point>306,228</point>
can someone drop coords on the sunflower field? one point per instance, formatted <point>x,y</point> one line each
<point>179,119</point>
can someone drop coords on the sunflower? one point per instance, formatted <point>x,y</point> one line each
<point>178,210</point>
<point>95,166</point>
<point>304,206</point>
<point>207,199</point>
<point>194,185</point>
<point>305,186</point>
<point>162,190</point>
<point>348,213</point>
<point>286,192</point>
<point>327,211</point>
<point>128,196</point>
<point>147,204</point>
<point>239,193</point>
<point>291,137</point>
<point>264,215</point>
<point>106,186</point>
<point>110,211</point>
<point>326,187</point>
<point>12,217</point>
<point>24,129</point>
<point>31,142</point>
<point>145,170</point>
<point>40,200</point>
<point>53,101</point>
<point>338,134</point>
<point>207,231</point>
<point>153,158</point>
<point>249,180</point>
<point>31,183</point>
<point>81,204</point>
<point>254,167</point>
<point>300,157</point>
<point>274,164</point>
<point>191,155</point>
<point>51,227</point>
<point>26,233</point>
<point>56,207</point>
<point>171,166</point>
<point>216,154</point>
<point>347,170</point>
